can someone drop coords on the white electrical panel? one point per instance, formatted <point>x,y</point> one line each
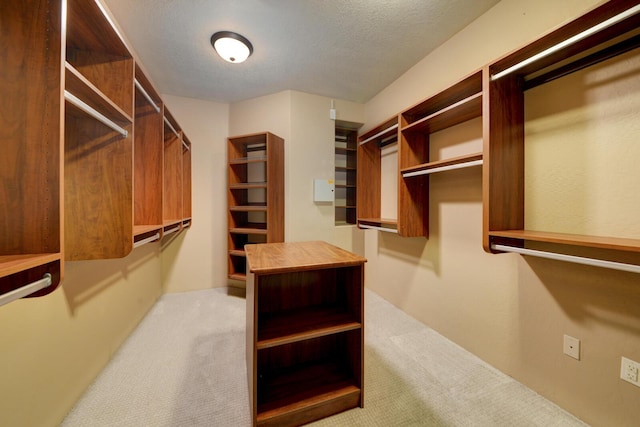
<point>323,190</point>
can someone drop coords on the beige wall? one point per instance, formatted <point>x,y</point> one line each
<point>53,347</point>
<point>195,259</point>
<point>303,121</point>
<point>509,310</point>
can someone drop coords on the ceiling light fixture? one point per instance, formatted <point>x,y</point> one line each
<point>231,47</point>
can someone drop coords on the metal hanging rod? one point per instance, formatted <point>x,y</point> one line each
<point>147,240</point>
<point>373,227</point>
<point>186,224</point>
<point>26,289</point>
<point>185,145</point>
<point>94,113</point>
<point>172,230</point>
<point>382,132</point>
<point>443,168</point>
<point>571,40</point>
<point>171,127</point>
<point>146,96</point>
<point>569,258</point>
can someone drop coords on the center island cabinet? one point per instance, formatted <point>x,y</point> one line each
<point>305,331</point>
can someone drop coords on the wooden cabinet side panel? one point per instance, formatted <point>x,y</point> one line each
<point>186,182</point>
<point>172,178</point>
<point>413,193</point>
<point>275,189</point>
<point>369,181</point>
<point>30,127</point>
<point>503,168</point>
<point>251,341</point>
<point>148,161</point>
<point>98,190</point>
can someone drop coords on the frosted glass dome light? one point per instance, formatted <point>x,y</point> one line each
<point>231,47</point>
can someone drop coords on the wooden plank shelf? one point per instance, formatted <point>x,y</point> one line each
<point>302,324</point>
<point>613,243</point>
<point>459,162</point>
<point>466,109</point>
<point>248,208</point>
<point>247,185</point>
<point>11,264</point>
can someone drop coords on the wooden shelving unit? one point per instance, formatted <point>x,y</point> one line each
<point>84,127</point>
<point>452,106</point>
<point>148,160</point>
<point>369,175</point>
<point>506,80</point>
<point>305,331</point>
<point>98,193</point>
<point>255,195</point>
<point>345,181</point>
<point>31,181</point>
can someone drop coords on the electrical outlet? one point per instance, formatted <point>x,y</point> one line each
<point>630,371</point>
<point>571,347</point>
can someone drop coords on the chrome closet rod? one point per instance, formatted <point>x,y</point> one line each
<point>146,95</point>
<point>569,258</point>
<point>172,230</point>
<point>373,227</point>
<point>443,168</point>
<point>94,113</point>
<point>171,127</point>
<point>25,290</point>
<point>146,240</point>
<point>571,40</point>
<point>185,145</point>
<point>382,132</point>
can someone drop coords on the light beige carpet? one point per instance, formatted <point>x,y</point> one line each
<point>185,366</point>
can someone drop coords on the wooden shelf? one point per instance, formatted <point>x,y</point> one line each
<point>247,185</point>
<point>81,87</point>
<point>247,160</point>
<point>143,229</point>
<point>345,151</point>
<point>468,160</point>
<point>306,388</point>
<point>249,208</point>
<point>454,114</point>
<point>345,182</point>
<point>237,252</point>
<point>238,276</point>
<point>302,324</point>
<point>248,230</point>
<point>11,264</point>
<point>613,243</point>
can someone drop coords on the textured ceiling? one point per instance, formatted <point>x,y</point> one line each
<point>343,49</point>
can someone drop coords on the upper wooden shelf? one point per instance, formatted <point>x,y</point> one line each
<point>11,264</point>
<point>246,160</point>
<point>454,105</point>
<point>81,87</point>
<point>247,185</point>
<point>459,112</point>
<point>383,134</point>
<point>468,160</point>
<point>614,243</point>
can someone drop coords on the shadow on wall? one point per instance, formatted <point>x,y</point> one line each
<point>84,280</point>
<point>592,295</point>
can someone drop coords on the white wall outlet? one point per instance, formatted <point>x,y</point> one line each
<point>630,371</point>
<point>571,347</point>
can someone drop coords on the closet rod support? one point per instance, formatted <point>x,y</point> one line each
<point>569,258</point>
<point>571,40</point>
<point>26,289</point>
<point>147,96</point>
<point>94,113</point>
<point>147,240</point>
